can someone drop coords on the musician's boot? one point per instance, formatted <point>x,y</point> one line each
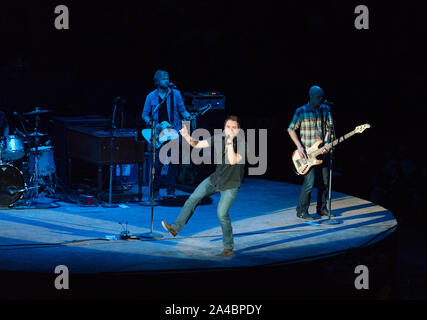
<point>304,215</point>
<point>325,213</point>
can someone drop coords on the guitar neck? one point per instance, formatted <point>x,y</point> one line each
<point>339,140</point>
<point>328,146</point>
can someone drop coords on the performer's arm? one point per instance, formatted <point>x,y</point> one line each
<point>181,107</point>
<point>147,119</point>
<point>194,143</point>
<point>146,112</point>
<point>328,131</point>
<point>298,144</point>
<point>294,125</point>
<point>233,157</point>
<point>185,115</point>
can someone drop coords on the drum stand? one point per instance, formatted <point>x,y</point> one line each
<point>35,199</point>
<point>36,159</point>
<point>29,192</point>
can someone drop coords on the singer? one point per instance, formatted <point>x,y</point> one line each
<point>4,125</point>
<point>173,111</point>
<point>229,150</point>
<point>313,121</point>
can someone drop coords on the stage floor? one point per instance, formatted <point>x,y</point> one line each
<point>265,227</point>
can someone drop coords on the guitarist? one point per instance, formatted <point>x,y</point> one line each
<point>171,110</point>
<point>313,121</point>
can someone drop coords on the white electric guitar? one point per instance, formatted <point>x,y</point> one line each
<point>167,132</point>
<point>303,165</point>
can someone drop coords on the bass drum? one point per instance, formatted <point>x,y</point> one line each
<point>11,180</point>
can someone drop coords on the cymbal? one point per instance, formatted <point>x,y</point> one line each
<point>36,112</point>
<point>39,134</point>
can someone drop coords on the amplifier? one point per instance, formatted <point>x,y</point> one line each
<point>196,100</point>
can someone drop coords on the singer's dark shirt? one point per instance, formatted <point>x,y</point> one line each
<point>3,122</point>
<point>227,176</point>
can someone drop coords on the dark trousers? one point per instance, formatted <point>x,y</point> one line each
<point>170,176</point>
<point>322,172</point>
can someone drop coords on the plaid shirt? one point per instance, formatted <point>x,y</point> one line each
<point>309,120</point>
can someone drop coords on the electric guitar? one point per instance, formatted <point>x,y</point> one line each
<point>302,165</point>
<point>167,132</point>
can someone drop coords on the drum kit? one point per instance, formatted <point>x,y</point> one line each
<point>36,160</point>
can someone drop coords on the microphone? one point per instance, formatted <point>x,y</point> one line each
<point>171,85</point>
<point>227,136</point>
<point>329,103</point>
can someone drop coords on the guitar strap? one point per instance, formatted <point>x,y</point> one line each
<point>172,106</point>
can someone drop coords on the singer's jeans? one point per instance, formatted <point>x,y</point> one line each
<point>307,185</point>
<point>205,188</point>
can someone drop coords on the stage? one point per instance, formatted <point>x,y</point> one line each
<point>265,227</point>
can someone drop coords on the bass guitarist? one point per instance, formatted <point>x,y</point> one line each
<point>313,122</point>
<point>173,111</point>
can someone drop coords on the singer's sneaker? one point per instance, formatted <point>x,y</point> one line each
<point>169,229</point>
<point>227,252</point>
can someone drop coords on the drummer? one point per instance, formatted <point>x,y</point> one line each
<point>4,125</point>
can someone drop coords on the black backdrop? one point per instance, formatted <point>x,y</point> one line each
<point>262,55</point>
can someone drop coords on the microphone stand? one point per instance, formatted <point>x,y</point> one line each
<point>36,157</point>
<point>152,234</point>
<point>121,107</point>
<point>109,204</point>
<point>331,153</point>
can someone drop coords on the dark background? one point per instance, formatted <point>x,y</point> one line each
<point>263,56</point>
